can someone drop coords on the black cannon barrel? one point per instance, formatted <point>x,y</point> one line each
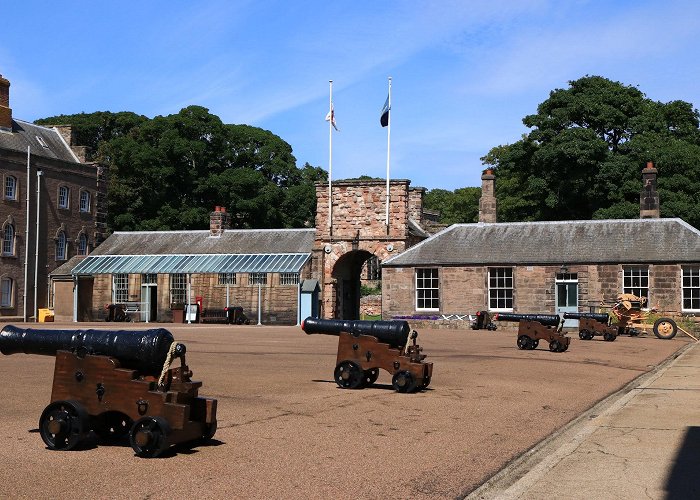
<point>142,350</point>
<point>395,333</point>
<point>545,319</point>
<point>600,317</point>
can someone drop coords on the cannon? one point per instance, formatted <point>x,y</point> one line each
<point>483,321</point>
<point>593,324</point>
<point>117,384</point>
<point>631,313</point>
<point>533,327</point>
<point>366,346</point>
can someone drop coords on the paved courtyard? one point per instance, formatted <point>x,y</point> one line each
<point>286,429</point>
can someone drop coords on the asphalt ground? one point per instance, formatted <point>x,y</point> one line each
<point>286,429</point>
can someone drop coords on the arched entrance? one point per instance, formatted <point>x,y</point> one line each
<point>346,273</point>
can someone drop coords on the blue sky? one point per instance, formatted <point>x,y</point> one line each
<point>464,73</point>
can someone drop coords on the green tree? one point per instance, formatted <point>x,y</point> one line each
<point>458,206</point>
<point>583,157</point>
<point>170,171</point>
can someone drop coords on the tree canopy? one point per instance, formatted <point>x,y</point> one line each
<point>584,155</point>
<point>169,172</point>
<point>458,206</point>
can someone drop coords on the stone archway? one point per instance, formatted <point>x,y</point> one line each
<point>346,273</point>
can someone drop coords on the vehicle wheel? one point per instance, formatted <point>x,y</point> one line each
<point>609,337</point>
<point>665,328</point>
<point>534,343</point>
<point>583,334</point>
<point>371,376</point>
<point>349,375</point>
<point>63,425</point>
<point>149,436</point>
<point>403,381</point>
<point>209,431</point>
<point>426,382</point>
<point>523,342</point>
<point>633,332</point>
<point>555,346</point>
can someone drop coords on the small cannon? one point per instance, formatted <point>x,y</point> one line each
<point>533,327</point>
<point>483,321</point>
<point>593,324</point>
<point>117,383</point>
<point>366,346</point>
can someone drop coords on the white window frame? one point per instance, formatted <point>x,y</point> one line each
<point>227,279</point>
<point>85,201</point>
<point>636,279</point>
<point>120,288</point>
<point>501,290</point>
<point>257,278</point>
<point>9,190</point>
<point>427,286</point>
<point>61,246</point>
<point>7,292</point>
<point>149,279</point>
<point>690,288</point>
<point>8,241</point>
<point>64,197</point>
<point>289,278</point>
<point>82,244</point>
<point>178,288</point>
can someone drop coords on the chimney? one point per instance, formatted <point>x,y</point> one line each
<point>487,202</point>
<point>5,111</point>
<point>219,221</point>
<point>649,197</point>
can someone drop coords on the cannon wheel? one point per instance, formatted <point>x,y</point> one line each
<point>426,382</point>
<point>63,425</point>
<point>149,436</point>
<point>523,342</point>
<point>371,376</point>
<point>665,328</point>
<point>609,337</point>
<point>583,334</point>
<point>349,375</point>
<point>555,346</point>
<point>209,431</point>
<point>112,425</point>
<point>534,343</point>
<point>403,381</point>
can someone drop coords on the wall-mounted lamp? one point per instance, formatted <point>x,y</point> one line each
<point>563,269</point>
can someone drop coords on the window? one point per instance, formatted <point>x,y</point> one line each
<point>289,278</point>
<point>120,288</point>
<point>374,269</point>
<point>178,288</point>
<point>227,278</point>
<point>41,141</point>
<point>635,280</point>
<point>6,292</point>
<point>10,188</point>
<point>427,290</point>
<point>61,246</point>
<point>691,289</point>
<point>149,279</point>
<point>85,201</point>
<point>82,244</point>
<point>257,278</point>
<point>500,288</point>
<point>8,240</point>
<point>63,193</point>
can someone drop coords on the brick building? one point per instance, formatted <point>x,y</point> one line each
<point>547,267</point>
<point>52,207</point>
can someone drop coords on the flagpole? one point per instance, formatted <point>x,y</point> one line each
<point>330,159</point>
<point>388,150</point>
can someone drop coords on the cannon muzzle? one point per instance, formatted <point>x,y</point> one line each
<point>394,333</point>
<point>142,350</point>
<point>545,319</point>
<point>599,317</point>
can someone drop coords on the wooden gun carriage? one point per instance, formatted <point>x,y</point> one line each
<point>117,384</point>
<point>535,327</point>
<point>631,314</point>
<point>593,324</point>
<point>366,346</point>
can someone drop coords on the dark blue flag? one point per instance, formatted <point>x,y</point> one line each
<point>384,119</point>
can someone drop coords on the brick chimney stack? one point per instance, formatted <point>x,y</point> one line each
<point>649,197</point>
<point>487,202</point>
<point>5,111</point>
<point>219,221</point>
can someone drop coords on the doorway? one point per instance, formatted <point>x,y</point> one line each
<point>566,296</point>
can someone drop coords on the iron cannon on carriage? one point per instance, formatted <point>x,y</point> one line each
<point>593,324</point>
<point>535,327</point>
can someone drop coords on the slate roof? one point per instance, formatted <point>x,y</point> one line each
<point>626,241</point>
<point>25,134</point>
<point>232,241</point>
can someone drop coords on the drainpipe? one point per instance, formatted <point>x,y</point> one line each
<point>259,303</point>
<point>36,255</point>
<point>187,307</point>
<point>26,238</point>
